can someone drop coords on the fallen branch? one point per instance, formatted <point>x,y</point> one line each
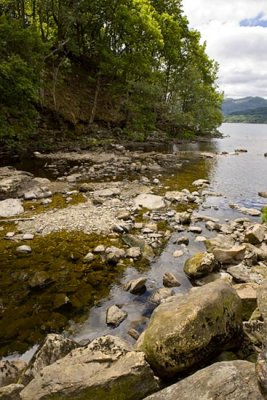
<point>16,219</point>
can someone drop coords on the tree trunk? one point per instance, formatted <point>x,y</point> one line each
<point>97,89</point>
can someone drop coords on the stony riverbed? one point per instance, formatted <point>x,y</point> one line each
<point>103,220</point>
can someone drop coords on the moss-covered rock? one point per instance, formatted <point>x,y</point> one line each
<point>189,329</point>
<point>199,265</point>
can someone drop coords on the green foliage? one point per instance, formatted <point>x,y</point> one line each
<point>20,66</point>
<point>264,215</point>
<point>142,49</point>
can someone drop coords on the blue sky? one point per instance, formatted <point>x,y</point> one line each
<point>236,36</point>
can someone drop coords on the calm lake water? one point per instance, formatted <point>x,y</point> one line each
<point>238,178</point>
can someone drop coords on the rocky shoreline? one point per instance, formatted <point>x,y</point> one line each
<point>211,338</point>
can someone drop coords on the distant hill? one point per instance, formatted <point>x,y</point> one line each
<point>247,109</point>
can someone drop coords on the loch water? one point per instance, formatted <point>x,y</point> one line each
<point>237,176</point>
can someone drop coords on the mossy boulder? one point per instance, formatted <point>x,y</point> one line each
<point>190,329</point>
<point>199,265</point>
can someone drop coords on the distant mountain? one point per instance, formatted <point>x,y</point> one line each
<point>247,109</point>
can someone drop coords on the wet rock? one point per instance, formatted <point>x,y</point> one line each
<point>136,286</point>
<point>200,182</point>
<point>24,249</point>
<point>177,197</point>
<point>11,392</point>
<point>255,234</point>
<point>10,371</point>
<point>10,208</point>
<point>40,279</point>
<point>194,327</point>
<point>53,348</point>
<point>195,229</point>
<point>134,252</point>
<point>178,253</point>
<point>200,265</point>
<point>263,194</point>
<point>213,226</point>
<point>248,294</point>
<point>200,239</point>
<point>231,255</point>
<point>99,249</point>
<point>136,241</point>
<point>248,211</point>
<point>89,257</point>
<point>161,294</point>
<point>261,371</point>
<point>115,316</point>
<point>28,236</point>
<point>232,380</point>
<point>169,280</point>
<point>182,240</point>
<point>183,218</point>
<point>149,201</point>
<point>101,370</point>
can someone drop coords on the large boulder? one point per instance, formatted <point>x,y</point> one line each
<point>234,380</point>
<point>107,369</point>
<point>52,349</point>
<point>229,256</point>
<point>10,371</point>
<point>12,182</point>
<point>189,329</point>
<point>199,265</point>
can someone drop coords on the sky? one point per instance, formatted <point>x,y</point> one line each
<point>236,35</point>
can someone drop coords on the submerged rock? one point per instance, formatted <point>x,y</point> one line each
<point>189,329</point>
<point>107,369</point>
<point>233,380</point>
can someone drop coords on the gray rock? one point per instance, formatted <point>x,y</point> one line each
<point>13,182</point>
<point>190,328</point>
<point>150,201</point>
<point>233,380</point>
<point>134,252</point>
<point>11,392</point>
<point>200,182</point>
<point>107,369</point>
<point>89,257</point>
<point>10,208</point>
<point>242,274</point>
<point>10,371</point>
<point>255,234</point>
<point>178,253</point>
<point>169,280</point>
<point>261,371</point>
<point>115,316</point>
<point>195,229</point>
<point>136,286</point>
<point>53,348</point>
<point>29,196</point>
<point>28,236</point>
<point>161,294</point>
<point>182,240</point>
<point>107,192</point>
<point>232,255</point>
<point>24,249</point>
<point>200,265</point>
<point>248,211</point>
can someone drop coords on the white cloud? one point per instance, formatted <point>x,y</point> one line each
<point>239,50</point>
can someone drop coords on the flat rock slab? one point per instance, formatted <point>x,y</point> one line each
<point>10,208</point>
<point>150,201</point>
<point>235,380</point>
